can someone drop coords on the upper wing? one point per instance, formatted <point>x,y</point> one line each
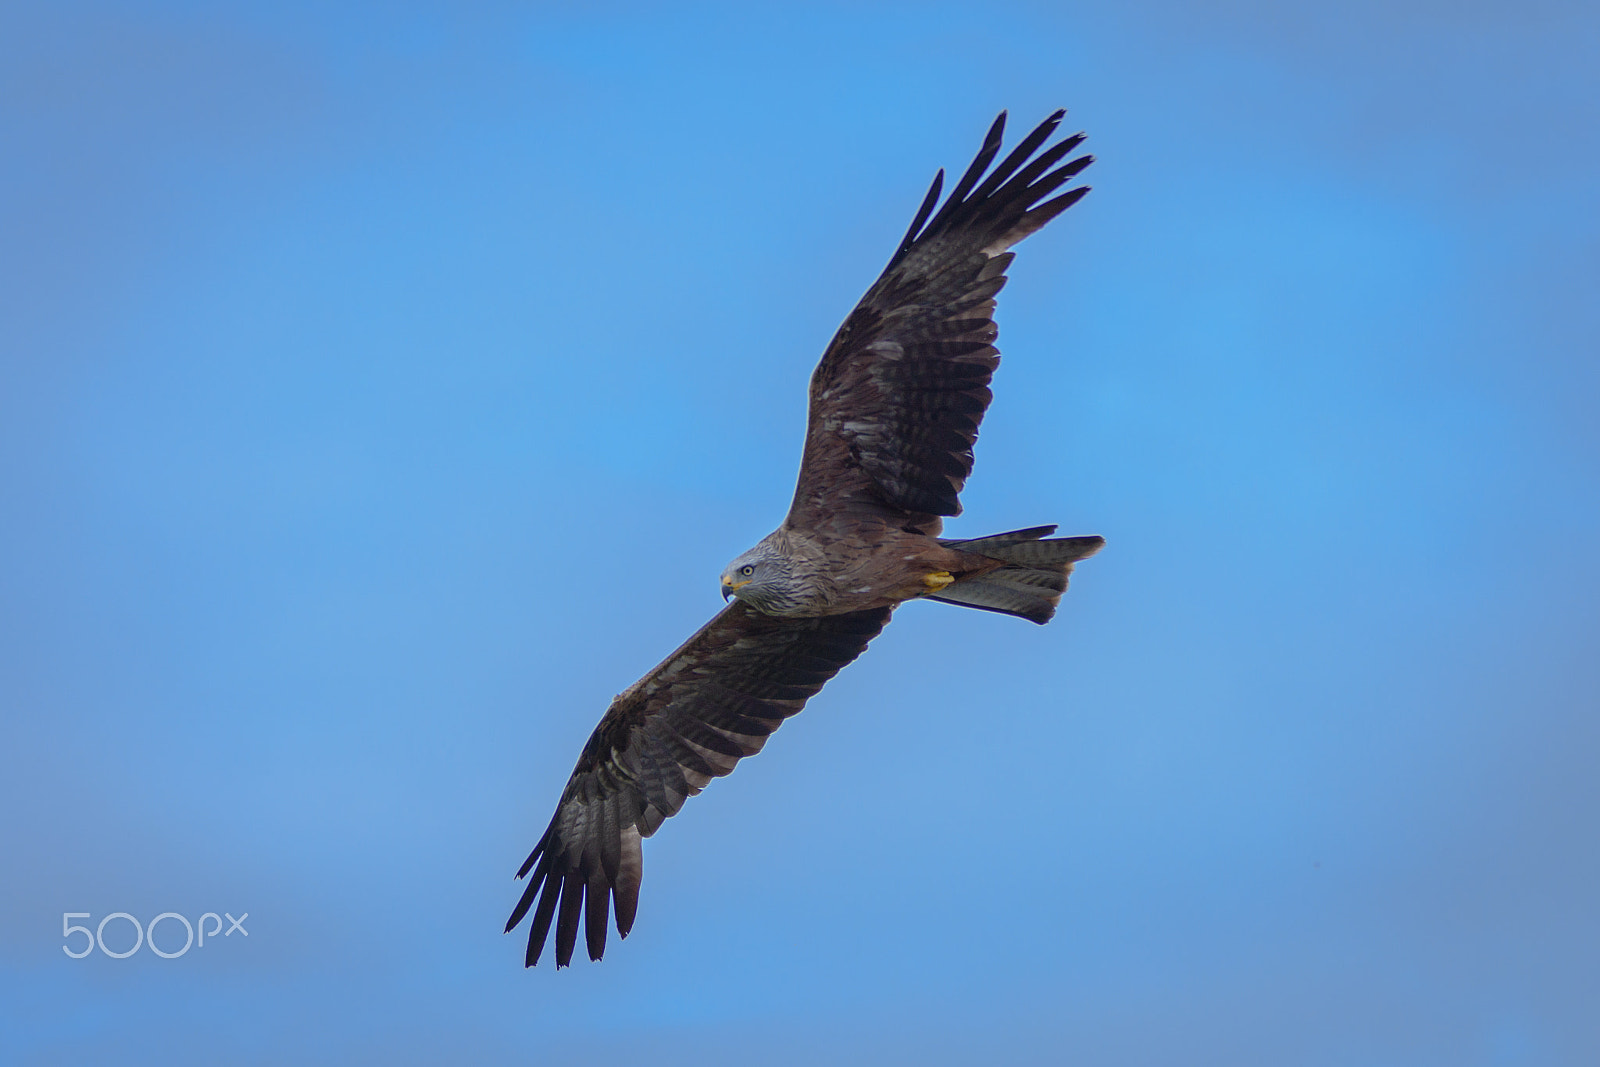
<point>897,398</point>
<point>691,719</point>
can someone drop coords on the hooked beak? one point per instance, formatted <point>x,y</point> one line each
<point>729,588</point>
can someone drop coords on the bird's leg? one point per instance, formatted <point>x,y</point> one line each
<point>937,580</point>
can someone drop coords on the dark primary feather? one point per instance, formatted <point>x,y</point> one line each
<point>711,703</point>
<point>899,394</point>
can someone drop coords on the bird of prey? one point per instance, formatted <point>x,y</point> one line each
<point>894,411</point>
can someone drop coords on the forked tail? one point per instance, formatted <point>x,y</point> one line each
<point>1033,578</point>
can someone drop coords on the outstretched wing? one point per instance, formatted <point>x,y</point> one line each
<point>897,398</point>
<point>713,702</point>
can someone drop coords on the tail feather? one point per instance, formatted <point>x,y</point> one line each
<point>1034,576</point>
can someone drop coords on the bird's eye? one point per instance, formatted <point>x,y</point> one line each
<point>747,570</point>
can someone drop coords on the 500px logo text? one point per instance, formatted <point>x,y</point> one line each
<point>146,934</point>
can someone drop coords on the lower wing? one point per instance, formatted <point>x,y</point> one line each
<point>710,704</point>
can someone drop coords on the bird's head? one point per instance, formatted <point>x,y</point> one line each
<point>760,578</point>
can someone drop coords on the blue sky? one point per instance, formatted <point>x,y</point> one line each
<point>381,390</point>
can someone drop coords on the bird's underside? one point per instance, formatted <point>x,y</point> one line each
<point>895,405</point>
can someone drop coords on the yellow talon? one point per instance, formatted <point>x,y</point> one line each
<point>937,581</point>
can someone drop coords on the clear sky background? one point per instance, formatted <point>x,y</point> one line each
<point>383,387</point>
